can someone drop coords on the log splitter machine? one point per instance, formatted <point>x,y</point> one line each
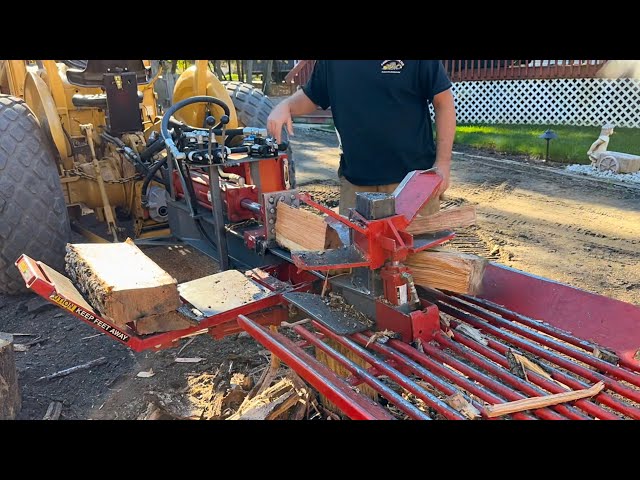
<point>222,200</point>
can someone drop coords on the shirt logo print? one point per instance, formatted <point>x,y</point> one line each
<point>391,66</point>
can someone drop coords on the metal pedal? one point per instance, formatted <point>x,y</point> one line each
<point>222,291</point>
<point>335,319</point>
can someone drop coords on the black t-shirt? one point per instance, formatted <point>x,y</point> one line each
<point>381,112</point>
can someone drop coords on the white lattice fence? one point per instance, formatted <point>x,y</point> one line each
<point>562,101</point>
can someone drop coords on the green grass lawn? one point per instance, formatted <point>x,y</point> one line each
<point>570,147</point>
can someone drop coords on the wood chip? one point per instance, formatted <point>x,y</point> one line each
<point>92,336</point>
<point>54,411</point>
<point>472,333</point>
<point>532,366</point>
<point>187,343</point>
<point>77,368</point>
<point>19,347</point>
<point>146,374</point>
<point>606,355</point>
<point>462,405</point>
<point>382,336</point>
<point>189,360</point>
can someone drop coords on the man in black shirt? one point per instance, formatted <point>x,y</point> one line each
<point>381,113</point>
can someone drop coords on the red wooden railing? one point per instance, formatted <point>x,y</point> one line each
<point>301,72</point>
<point>476,70</point>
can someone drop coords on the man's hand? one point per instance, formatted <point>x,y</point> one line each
<point>278,118</point>
<point>444,171</point>
<point>296,104</point>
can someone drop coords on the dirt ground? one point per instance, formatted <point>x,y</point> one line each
<point>576,231</point>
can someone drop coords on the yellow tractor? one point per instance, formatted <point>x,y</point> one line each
<point>82,137</point>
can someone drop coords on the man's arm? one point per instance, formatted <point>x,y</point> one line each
<point>445,132</point>
<point>296,104</point>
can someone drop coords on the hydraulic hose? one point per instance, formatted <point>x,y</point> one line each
<point>151,176</point>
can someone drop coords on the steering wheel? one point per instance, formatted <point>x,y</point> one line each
<point>164,126</point>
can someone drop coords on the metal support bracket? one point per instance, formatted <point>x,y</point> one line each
<point>270,201</point>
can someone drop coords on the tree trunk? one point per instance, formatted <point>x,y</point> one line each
<point>250,72</point>
<point>10,399</point>
<point>218,70</point>
<point>174,66</point>
<point>267,76</point>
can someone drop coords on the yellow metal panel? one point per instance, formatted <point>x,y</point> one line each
<point>187,86</point>
<point>39,99</point>
<point>16,71</point>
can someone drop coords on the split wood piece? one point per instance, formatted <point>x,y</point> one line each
<point>451,218</point>
<point>473,333</point>
<point>447,270</point>
<point>298,229</point>
<point>209,392</point>
<point>54,411</point>
<point>77,368</point>
<point>462,405</point>
<point>534,367</point>
<point>241,380</point>
<point>533,403</point>
<point>10,397</point>
<point>269,404</point>
<point>120,281</point>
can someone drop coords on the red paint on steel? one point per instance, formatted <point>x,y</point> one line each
<point>611,323</point>
<point>585,405</point>
<point>394,282</point>
<point>507,376</point>
<point>233,197</point>
<point>425,323</point>
<point>402,362</point>
<point>362,373</point>
<point>580,355</point>
<point>415,191</point>
<point>456,378</point>
<point>391,372</point>
<point>486,381</point>
<point>354,405</point>
<point>530,322</point>
<point>388,318</point>
<point>546,354</point>
<point>40,284</point>
<point>306,198</point>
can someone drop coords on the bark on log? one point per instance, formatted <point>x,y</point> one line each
<point>10,397</point>
<point>120,281</point>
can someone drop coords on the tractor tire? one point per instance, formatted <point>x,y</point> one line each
<point>33,213</point>
<point>253,108</point>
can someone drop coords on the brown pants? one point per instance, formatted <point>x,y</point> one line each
<point>348,196</point>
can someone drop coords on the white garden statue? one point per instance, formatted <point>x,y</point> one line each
<point>606,160</point>
<point>601,144</point>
